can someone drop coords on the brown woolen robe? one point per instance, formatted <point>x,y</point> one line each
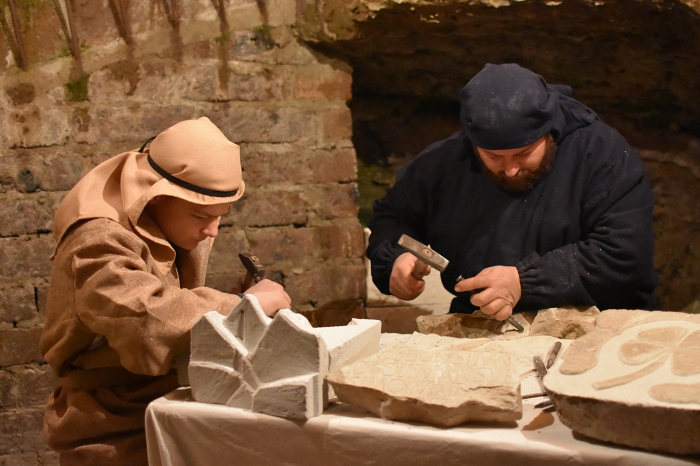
<point>122,300</point>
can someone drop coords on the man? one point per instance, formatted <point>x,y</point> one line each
<point>536,202</point>
<point>132,242</point>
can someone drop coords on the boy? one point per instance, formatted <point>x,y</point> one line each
<point>132,242</point>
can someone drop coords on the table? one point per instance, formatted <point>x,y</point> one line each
<point>182,432</point>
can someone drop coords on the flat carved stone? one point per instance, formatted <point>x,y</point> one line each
<point>633,380</point>
<point>272,366</point>
<point>444,387</point>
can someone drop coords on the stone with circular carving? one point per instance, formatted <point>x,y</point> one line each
<point>633,380</point>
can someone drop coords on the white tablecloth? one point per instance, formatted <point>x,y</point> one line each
<point>184,432</point>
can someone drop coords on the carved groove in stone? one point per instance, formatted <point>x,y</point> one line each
<point>444,387</point>
<point>655,345</point>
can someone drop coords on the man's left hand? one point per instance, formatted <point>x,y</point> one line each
<point>499,290</point>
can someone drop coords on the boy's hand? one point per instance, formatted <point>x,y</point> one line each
<point>271,296</point>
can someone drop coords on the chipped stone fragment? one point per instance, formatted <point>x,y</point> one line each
<point>272,366</point>
<point>444,387</point>
<point>477,325</point>
<point>242,398</point>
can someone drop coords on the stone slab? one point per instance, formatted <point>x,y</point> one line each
<point>518,353</point>
<point>336,313</point>
<point>633,380</point>
<point>444,387</point>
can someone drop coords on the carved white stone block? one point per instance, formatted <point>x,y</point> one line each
<point>295,397</point>
<point>272,366</point>
<point>357,340</point>
<point>289,347</point>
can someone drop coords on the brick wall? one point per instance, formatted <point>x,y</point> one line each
<point>111,74</point>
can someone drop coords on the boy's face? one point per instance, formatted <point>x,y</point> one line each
<point>184,223</point>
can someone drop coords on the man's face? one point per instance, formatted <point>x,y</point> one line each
<point>183,223</point>
<point>519,170</point>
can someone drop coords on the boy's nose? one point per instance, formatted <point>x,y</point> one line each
<point>212,229</point>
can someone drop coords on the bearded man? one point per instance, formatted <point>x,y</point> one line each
<point>537,202</point>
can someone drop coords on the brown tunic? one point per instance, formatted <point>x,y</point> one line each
<point>114,323</point>
<point>122,300</point>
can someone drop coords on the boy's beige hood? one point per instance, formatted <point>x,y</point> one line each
<point>191,160</point>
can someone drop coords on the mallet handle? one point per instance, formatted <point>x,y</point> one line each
<point>418,271</point>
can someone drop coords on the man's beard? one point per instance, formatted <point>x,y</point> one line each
<point>525,179</point>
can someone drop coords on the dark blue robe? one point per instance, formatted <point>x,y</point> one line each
<point>582,236</point>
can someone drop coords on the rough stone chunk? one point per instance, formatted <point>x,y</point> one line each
<point>216,383</point>
<point>444,387</point>
<point>565,322</point>
<point>633,380</point>
<point>290,348</point>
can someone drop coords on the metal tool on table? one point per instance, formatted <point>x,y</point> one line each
<point>255,271</point>
<point>424,255</point>
<point>544,404</point>
<point>539,367</point>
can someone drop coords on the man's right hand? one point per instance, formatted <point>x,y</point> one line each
<point>271,296</point>
<point>402,284</point>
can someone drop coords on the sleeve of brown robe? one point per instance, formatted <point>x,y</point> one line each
<point>120,294</point>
